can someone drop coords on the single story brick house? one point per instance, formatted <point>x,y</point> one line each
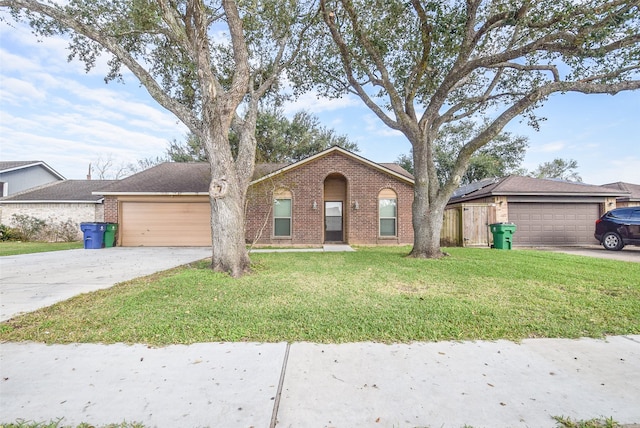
<point>333,196</point>
<point>546,212</point>
<point>58,202</point>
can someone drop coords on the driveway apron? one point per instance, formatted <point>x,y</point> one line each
<point>32,281</point>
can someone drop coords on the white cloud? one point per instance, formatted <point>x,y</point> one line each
<point>13,91</point>
<point>552,147</point>
<point>375,126</point>
<point>314,103</point>
<point>613,170</point>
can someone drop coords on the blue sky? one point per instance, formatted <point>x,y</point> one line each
<point>51,110</point>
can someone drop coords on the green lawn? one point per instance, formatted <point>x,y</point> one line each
<point>374,294</point>
<point>12,248</point>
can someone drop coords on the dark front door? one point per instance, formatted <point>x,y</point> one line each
<point>333,222</point>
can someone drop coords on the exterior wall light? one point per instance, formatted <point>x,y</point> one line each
<point>356,206</point>
<point>314,205</point>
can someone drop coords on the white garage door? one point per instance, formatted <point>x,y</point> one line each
<point>164,224</point>
<point>553,223</point>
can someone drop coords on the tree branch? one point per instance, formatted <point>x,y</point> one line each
<point>106,41</point>
<point>345,57</point>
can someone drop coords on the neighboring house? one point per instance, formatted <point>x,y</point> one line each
<point>546,212</point>
<point>630,200</point>
<point>57,202</point>
<point>333,196</point>
<point>17,176</point>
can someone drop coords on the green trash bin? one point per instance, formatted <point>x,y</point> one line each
<point>110,235</point>
<point>502,235</point>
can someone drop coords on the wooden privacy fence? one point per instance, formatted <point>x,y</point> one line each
<point>467,225</point>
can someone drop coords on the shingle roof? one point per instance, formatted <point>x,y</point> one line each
<point>165,178</point>
<point>517,185</point>
<point>5,165</point>
<point>391,169</point>
<point>263,169</point>
<point>633,189</point>
<point>177,177</point>
<point>194,177</point>
<point>59,191</point>
<point>398,169</point>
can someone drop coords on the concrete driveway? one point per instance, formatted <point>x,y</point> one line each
<point>630,253</point>
<point>33,281</point>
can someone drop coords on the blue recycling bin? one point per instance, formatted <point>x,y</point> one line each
<point>93,235</point>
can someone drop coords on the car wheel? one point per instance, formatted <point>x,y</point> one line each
<point>612,241</point>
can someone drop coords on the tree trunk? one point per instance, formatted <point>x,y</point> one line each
<point>427,224</point>
<point>428,206</point>
<point>226,194</point>
<point>227,231</point>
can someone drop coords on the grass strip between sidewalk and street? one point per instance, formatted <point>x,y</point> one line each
<point>374,294</point>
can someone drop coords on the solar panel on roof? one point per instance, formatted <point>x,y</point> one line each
<point>472,187</point>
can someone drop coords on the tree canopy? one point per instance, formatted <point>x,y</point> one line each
<point>209,62</point>
<point>558,168</point>
<point>422,65</point>
<point>278,140</point>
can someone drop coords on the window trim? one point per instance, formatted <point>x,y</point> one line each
<point>388,194</point>
<point>282,195</point>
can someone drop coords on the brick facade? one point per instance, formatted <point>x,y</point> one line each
<point>111,209</point>
<point>306,182</point>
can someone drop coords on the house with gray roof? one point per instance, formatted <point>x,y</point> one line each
<point>17,176</point>
<point>631,199</point>
<point>57,202</point>
<point>545,211</point>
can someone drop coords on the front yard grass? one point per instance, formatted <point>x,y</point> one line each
<point>12,248</point>
<point>374,294</point>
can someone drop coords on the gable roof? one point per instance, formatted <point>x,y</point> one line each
<point>391,169</point>
<point>168,178</point>
<point>9,166</point>
<point>529,186</point>
<point>193,178</point>
<point>632,189</point>
<point>67,191</point>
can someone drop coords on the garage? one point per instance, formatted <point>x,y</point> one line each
<point>161,224</point>
<point>545,223</point>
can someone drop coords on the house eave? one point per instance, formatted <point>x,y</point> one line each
<point>327,152</point>
<point>26,201</point>
<point>550,195</point>
<point>43,164</point>
<point>558,194</point>
<point>151,193</point>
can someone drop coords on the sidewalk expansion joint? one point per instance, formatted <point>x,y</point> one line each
<point>276,404</point>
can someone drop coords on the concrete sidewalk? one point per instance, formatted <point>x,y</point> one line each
<point>443,384</point>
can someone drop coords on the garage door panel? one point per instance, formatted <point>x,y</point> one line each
<point>165,224</point>
<point>553,223</point>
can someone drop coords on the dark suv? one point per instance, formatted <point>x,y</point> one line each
<point>618,228</point>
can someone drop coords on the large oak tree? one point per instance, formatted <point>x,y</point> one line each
<point>209,62</point>
<point>423,65</point>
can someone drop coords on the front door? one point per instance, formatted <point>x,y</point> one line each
<point>333,222</point>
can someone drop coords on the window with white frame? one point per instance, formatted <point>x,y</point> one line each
<point>282,213</point>
<point>388,213</point>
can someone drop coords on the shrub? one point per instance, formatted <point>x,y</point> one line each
<point>67,231</point>
<point>8,233</point>
<point>28,227</point>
